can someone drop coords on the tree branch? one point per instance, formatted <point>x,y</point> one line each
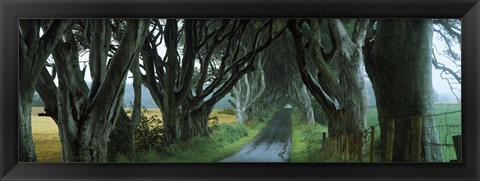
<point>442,67</point>
<point>319,94</point>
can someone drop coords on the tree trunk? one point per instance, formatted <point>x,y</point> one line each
<point>300,96</point>
<point>399,66</point>
<point>169,78</point>
<point>123,135</point>
<point>306,105</point>
<point>86,119</point>
<point>240,113</point>
<point>249,90</point>
<point>33,51</point>
<point>27,149</point>
<point>195,123</point>
<point>177,82</point>
<point>346,121</point>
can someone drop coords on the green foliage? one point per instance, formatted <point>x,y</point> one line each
<point>224,140</point>
<point>227,133</point>
<point>148,134</point>
<point>201,149</point>
<point>265,116</point>
<point>279,24</point>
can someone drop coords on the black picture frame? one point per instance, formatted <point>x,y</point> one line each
<point>11,11</point>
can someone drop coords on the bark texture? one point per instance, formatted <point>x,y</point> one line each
<point>34,51</point>
<point>353,97</point>
<point>123,135</point>
<point>249,91</point>
<point>86,117</point>
<point>218,47</point>
<point>342,96</point>
<point>401,76</point>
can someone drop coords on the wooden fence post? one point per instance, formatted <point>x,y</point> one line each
<point>330,145</point>
<point>324,137</point>
<point>336,149</point>
<point>372,142</point>
<point>457,143</point>
<point>359,147</point>
<point>390,139</point>
<point>347,149</point>
<point>417,139</point>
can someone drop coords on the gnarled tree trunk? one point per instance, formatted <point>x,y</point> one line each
<point>346,120</point>
<point>195,123</point>
<point>249,90</point>
<point>33,51</point>
<point>122,137</point>
<point>400,68</point>
<point>186,104</point>
<point>353,97</point>
<point>86,118</point>
<point>305,103</point>
<point>298,93</point>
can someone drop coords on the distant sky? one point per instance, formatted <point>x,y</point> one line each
<point>440,85</point>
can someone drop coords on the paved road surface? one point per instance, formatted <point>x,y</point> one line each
<point>272,144</point>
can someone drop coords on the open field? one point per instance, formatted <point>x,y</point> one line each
<point>307,138</point>
<point>45,137</point>
<point>47,141</point>
<point>441,119</point>
<point>448,122</point>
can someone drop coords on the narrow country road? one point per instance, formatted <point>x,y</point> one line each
<point>272,144</point>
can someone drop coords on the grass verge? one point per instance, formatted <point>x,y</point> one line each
<point>225,140</point>
<point>306,139</point>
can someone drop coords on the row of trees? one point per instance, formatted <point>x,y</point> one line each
<point>225,50</point>
<point>188,65</point>
<point>333,59</point>
<point>398,59</point>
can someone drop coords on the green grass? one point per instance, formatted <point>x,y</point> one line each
<point>225,140</point>
<point>450,119</point>
<point>447,126</point>
<point>306,140</point>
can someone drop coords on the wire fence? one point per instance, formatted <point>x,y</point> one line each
<point>446,135</point>
<point>448,126</point>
